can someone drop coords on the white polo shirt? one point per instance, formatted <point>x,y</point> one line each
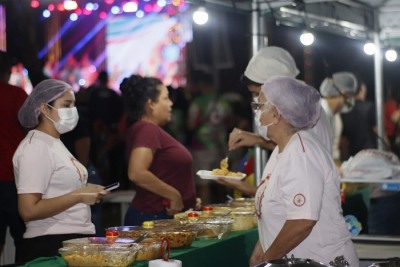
<point>302,182</point>
<point>42,164</point>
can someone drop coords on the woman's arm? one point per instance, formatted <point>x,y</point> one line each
<point>242,186</point>
<point>256,256</point>
<point>138,172</point>
<point>291,235</point>
<point>32,207</point>
<point>239,138</point>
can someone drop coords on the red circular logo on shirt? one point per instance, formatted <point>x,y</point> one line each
<point>299,200</point>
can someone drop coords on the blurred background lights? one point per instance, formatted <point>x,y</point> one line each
<point>130,7</point>
<point>89,6</point>
<point>369,48</point>
<point>103,15</point>
<point>200,16</point>
<point>73,17</point>
<point>115,10</point>
<point>34,3</point>
<point>307,38</point>
<point>46,13</point>
<point>148,8</point>
<point>391,55</point>
<point>140,14</point>
<point>70,5</point>
<point>161,3</point>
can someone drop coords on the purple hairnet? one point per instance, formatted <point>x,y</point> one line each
<point>44,92</point>
<point>297,102</point>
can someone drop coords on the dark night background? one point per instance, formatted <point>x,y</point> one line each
<point>26,31</point>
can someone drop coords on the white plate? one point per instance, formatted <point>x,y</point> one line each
<point>207,175</point>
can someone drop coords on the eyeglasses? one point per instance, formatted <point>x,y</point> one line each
<point>347,99</point>
<point>256,106</point>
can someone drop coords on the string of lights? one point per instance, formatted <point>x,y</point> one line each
<point>102,9</point>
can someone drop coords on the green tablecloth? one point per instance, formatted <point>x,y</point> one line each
<point>233,250</point>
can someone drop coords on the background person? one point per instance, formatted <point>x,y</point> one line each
<point>209,121</point>
<point>337,92</point>
<point>159,166</point>
<point>298,200</point>
<point>53,194</point>
<point>11,135</point>
<point>266,63</point>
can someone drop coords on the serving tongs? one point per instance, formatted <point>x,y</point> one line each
<point>140,238</point>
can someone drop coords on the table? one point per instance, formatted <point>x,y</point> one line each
<point>124,198</point>
<point>233,250</point>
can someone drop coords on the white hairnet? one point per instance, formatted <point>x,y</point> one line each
<point>297,102</point>
<point>44,92</point>
<point>270,61</point>
<point>344,81</point>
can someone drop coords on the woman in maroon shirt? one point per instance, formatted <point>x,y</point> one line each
<point>159,166</point>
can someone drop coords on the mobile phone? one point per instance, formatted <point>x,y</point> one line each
<point>112,186</point>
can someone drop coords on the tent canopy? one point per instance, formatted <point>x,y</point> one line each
<point>356,19</point>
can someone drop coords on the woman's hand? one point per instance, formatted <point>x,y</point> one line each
<point>91,193</point>
<point>239,138</point>
<point>175,204</point>
<point>242,186</point>
<point>256,256</point>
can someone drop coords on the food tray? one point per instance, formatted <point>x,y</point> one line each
<point>209,176</point>
<point>151,249</point>
<point>99,256</point>
<point>98,241</point>
<point>178,236</point>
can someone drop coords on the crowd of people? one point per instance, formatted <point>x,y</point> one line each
<point>67,144</point>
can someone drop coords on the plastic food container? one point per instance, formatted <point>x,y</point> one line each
<point>99,255</point>
<point>214,228</point>
<point>178,236</point>
<point>98,241</point>
<point>151,249</point>
<point>243,220</point>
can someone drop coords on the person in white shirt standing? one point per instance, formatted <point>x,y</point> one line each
<point>266,63</point>
<point>53,194</point>
<point>338,94</point>
<point>298,200</point>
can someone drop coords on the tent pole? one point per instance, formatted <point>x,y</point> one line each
<point>378,70</point>
<point>258,41</point>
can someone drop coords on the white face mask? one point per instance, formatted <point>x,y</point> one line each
<point>262,129</point>
<point>68,119</point>
<point>349,105</point>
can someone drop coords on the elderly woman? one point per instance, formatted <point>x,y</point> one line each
<point>298,200</point>
<point>53,194</point>
<point>159,166</point>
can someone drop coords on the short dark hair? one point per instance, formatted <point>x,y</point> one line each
<point>246,81</point>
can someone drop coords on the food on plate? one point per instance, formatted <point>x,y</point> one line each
<point>224,169</point>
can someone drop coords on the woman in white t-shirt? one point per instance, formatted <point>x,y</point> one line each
<point>53,194</point>
<point>298,200</point>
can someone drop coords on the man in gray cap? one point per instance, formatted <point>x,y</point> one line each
<point>338,94</point>
<point>266,63</point>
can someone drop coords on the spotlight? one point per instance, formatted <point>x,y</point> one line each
<point>307,38</point>
<point>369,48</point>
<point>200,16</point>
<point>391,55</point>
<point>70,5</point>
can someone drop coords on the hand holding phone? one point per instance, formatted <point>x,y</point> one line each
<point>111,186</point>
